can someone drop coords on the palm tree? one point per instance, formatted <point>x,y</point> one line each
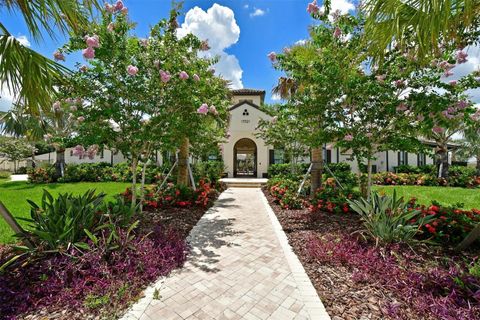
<point>427,24</point>
<point>27,74</point>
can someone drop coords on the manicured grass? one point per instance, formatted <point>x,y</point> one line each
<point>444,195</point>
<point>14,196</point>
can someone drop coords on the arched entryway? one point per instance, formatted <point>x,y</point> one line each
<point>245,158</point>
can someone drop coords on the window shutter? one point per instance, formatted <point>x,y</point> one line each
<point>271,157</point>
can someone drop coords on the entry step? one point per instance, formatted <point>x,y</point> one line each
<point>244,182</point>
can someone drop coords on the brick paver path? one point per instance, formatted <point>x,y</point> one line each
<point>240,267</point>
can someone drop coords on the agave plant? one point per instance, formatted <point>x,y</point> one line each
<point>388,219</point>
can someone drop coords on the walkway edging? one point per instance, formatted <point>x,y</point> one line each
<point>313,304</point>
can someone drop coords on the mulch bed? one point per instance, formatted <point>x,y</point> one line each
<point>177,219</point>
<point>343,297</point>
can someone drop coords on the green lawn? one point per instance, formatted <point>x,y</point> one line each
<point>445,195</point>
<point>14,196</point>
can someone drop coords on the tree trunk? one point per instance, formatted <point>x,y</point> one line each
<point>182,178</point>
<point>369,177</point>
<point>134,181</point>
<point>142,187</point>
<point>442,160</point>
<point>478,164</point>
<point>60,163</point>
<point>470,238</point>
<point>317,169</point>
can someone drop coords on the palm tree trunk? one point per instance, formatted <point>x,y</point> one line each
<point>60,163</point>
<point>317,169</point>
<point>182,178</point>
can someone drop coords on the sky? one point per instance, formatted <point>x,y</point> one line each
<point>240,32</point>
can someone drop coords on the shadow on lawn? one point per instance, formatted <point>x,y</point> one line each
<point>23,185</point>
<point>209,235</point>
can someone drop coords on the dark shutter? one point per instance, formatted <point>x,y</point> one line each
<point>405,157</point>
<point>271,157</point>
<point>329,156</point>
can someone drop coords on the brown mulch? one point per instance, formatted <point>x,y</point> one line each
<point>344,298</point>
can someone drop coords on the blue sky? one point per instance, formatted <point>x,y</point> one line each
<point>241,32</point>
<point>263,26</point>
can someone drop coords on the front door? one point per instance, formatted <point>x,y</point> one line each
<point>245,158</point>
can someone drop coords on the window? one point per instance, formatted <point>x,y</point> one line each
<point>421,159</point>
<point>71,153</point>
<point>327,156</point>
<point>278,156</point>
<point>402,158</point>
<point>102,154</point>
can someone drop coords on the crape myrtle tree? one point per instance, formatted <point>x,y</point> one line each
<point>285,131</point>
<point>138,94</point>
<point>15,150</point>
<point>374,116</point>
<point>442,108</point>
<point>314,73</point>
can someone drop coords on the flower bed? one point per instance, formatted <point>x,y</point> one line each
<point>357,280</point>
<point>103,281</point>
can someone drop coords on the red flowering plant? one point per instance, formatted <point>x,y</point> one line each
<point>331,198</point>
<point>450,224</point>
<point>284,191</point>
<point>205,194</point>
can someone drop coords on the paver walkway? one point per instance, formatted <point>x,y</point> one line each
<point>240,267</point>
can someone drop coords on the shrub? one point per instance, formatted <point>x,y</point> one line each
<point>285,169</point>
<point>41,175</point>
<point>332,199</point>
<point>21,170</point>
<point>446,224</point>
<point>87,172</point>
<point>284,192</point>
<point>389,219</point>
<point>462,176</point>
<point>65,221</point>
<point>210,171</point>
<point>343,172</point>
<point>5,175</point>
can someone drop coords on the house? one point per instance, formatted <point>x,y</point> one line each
<point>246,155</point>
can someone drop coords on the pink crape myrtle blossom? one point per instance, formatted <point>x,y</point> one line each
<point>92,151</point>
<point>165,76</point>
<point>438,129</point>
<point>462,104</point>
<point>143,42</point>
<point>183,75</point>
<point>448,73</point>
<point>381,78</point>
<point>204,45</point>
<point>203,109</point>
<point>272,56</point>
<point>124,10</point>
<point>119,5</point>
<point>79,151</point>
<point>453,83</point>
<point>402,107</point>
<point>93,41</point>
<point>110,27</point>
<point>73,108</point>
<point>337,33</point>
<point>81,119</point>
<point>109,8</point>
<point>313,7</point>
<point>196,77</point>
<point>369,134</point>
<point>132,70</point>
<point>420,117</point>
<point>461,56</point>
<point>399,84</point>
<point>213,110</point>
<point>348,137</point>
<point>88,53</point>
<point>58,56</point>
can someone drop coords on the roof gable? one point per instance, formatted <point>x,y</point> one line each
<point>251,104</point>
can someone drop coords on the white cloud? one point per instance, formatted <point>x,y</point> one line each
<point>257,13</point>
<point>301,42</point>
<point>246,6</point>
<point>343,6</point>
<point>275,97</point>
<point>6,99</point>
<point>23,40</point>
<point>219,27</point>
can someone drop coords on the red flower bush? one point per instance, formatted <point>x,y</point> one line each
<point>450,224</point>
<point>330,198</point>
<point>285,194</point>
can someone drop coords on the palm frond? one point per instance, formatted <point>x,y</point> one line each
<point>52,15</point>
<point>28,75</point>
